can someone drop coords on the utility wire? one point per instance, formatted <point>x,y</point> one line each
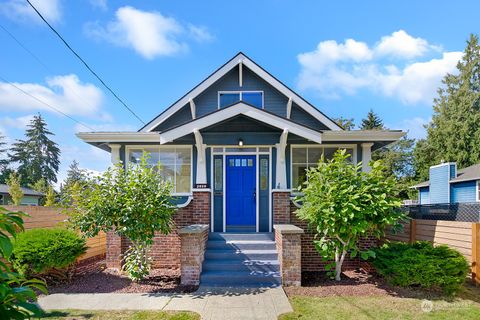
<point>85,63</point>
<point>46,104</point>
<point>40,62</point>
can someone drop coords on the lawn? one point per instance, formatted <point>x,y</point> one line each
<point>117,315</point>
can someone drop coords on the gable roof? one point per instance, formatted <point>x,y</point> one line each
<point>26,191</point>
<point>465,174</point>
<point>240,108</point>
<point>259,71</point>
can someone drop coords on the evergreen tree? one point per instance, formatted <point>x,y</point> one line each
<point>372,122</point>
<point>346,123</point>
<point>4,169</point>
<point>14,188</point>
<point>37,156</point>
<point>454,132</point>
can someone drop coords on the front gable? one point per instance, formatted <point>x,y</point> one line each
<point>241,74</point>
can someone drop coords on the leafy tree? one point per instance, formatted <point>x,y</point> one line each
<point>17,294</point>
<point>40,186</point>
<point>4,169</point>
<point>75,175</point>
<point>372,122</point>
<point>134,203</point>
<point>342,204</point>
<point>14,188</point>
<point>454,132</point>
<point>37,156</point>
<point>346,123</point>
<point>50,197</point>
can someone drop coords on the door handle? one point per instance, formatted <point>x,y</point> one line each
<point>254,194</point>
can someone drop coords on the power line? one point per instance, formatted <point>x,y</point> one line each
<point>85,63</point>
<point>41,62</point>
<point>46,104</point>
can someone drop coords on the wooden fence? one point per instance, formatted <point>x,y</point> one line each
<point>461,236</point>
<point>50,217</point>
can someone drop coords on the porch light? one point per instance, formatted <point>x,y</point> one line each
<point>240,142</point>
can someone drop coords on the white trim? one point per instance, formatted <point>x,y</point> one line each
<point>212,194</point>
<point>153,146</point>
<point>443,164</point>
<point>289,107</point>
<point>115,153</point>
<point>201,190</point>
<point>257,193</point>
<point>224,192</point>
<point>270,178</point>
<point>281,190</point>
<point>183,205</point>
<point>193,108</point>
<point>224,70</point>
<point>240,73</point>
<point>201,176</point>
<point>477,190</point>
<point>240,108</point>
<point>107,137</point>
<point>240,93</point>
<point>361,136</point>
<point>339,146</point>
<point>366,156</point>
<point>281,170</point>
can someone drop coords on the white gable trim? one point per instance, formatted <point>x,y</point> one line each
<point>240,59</point>
<point>237,109</point>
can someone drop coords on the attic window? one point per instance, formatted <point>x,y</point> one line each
<point>254,98</point>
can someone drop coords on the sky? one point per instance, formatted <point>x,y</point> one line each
<point>345,57</point>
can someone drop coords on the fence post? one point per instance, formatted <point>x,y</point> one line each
<point>413,230</point>
<point>476,252</point>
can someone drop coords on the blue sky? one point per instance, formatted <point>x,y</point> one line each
<point>345,57</point>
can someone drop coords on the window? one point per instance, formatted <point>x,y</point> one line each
<point>227,98</point>
<point>175,164</point>
<point>306,157</point>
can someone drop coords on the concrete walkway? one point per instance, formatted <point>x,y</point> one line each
<point>210,303</point>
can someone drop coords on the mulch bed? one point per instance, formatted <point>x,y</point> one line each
<point>354,283</point>
<point>97,279</point>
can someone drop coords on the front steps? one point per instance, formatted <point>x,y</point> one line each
<point>241,260</point>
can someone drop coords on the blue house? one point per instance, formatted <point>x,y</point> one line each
<point>448,184</point>
<point>235,146</point>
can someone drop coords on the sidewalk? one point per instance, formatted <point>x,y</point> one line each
<point>210,303</point>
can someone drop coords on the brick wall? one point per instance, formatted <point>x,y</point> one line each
<point>289,248</point>
<point>193,243</point>
<point>311,260</point>
<point>281,207</point>
<point>166,249</point>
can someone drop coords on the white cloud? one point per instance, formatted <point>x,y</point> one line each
<point>20,10</point>
<point>17,123</point>
<point>66,93</point>
<point>109,127</point>
<point>100,4</point>
<point>334,69</point>
<point>414,126</point>
<point>149,33</point>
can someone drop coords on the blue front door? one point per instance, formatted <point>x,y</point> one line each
<point>240,193</point>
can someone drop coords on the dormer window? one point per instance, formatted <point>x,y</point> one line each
<point>254,98</point>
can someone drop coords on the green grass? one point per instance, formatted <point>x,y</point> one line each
<point>380,307</point>
<point>117,315</point>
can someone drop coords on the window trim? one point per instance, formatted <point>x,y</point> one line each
<point>293,146</point>
<point>184,146</point>
<point>240,92</point>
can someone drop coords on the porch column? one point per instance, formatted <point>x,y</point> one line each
<point>366,156</point>
<point>193,241</point>
<point>201,176</point>
<point>115,153</point>
<point>281,177</point>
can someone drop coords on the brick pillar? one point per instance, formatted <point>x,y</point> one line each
<point>114,250</point>
<point>281,206</point>
<point>201,206</point>
<point>193,242</point>
<point>288,239</point>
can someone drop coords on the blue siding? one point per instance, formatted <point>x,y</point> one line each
<point>453,172</point>
<point>463,192</point>
<point>182,116</point>
<point>439,184</point>
<point>423,195</point>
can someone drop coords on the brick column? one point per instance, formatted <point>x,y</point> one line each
<point>201,206</point>
<point>114,251</point>
<point>193,242</point>
<point>288,239</point>
<point>281,206</point>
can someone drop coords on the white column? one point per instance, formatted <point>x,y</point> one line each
<point>366,156</point>
<point>115,153</point>
<point>201,176</point>
<point>281,172</point>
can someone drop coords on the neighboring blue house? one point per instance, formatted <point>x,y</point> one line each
<point>449,185</point>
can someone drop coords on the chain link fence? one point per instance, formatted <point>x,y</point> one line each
<point>468,212</point>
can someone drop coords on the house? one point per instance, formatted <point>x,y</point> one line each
<point>235,146</point>
<point>30,197</point>
<point>447,184</point>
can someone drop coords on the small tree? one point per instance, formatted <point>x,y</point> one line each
<point>342,204</point>
<point>14,188</point>
<point>134,203</point>
<point>50,197</point>
<point>372,122</point>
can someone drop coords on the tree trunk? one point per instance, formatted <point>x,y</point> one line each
<point>338,263</point>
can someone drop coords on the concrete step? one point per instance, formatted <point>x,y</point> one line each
<point>259,236</point>
<point>247,265</point>
<point>240,278</point>
<point>241,245</point>
<point>241,255</point>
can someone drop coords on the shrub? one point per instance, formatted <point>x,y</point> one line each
<point>39,251</point>
<point>422,265</point>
